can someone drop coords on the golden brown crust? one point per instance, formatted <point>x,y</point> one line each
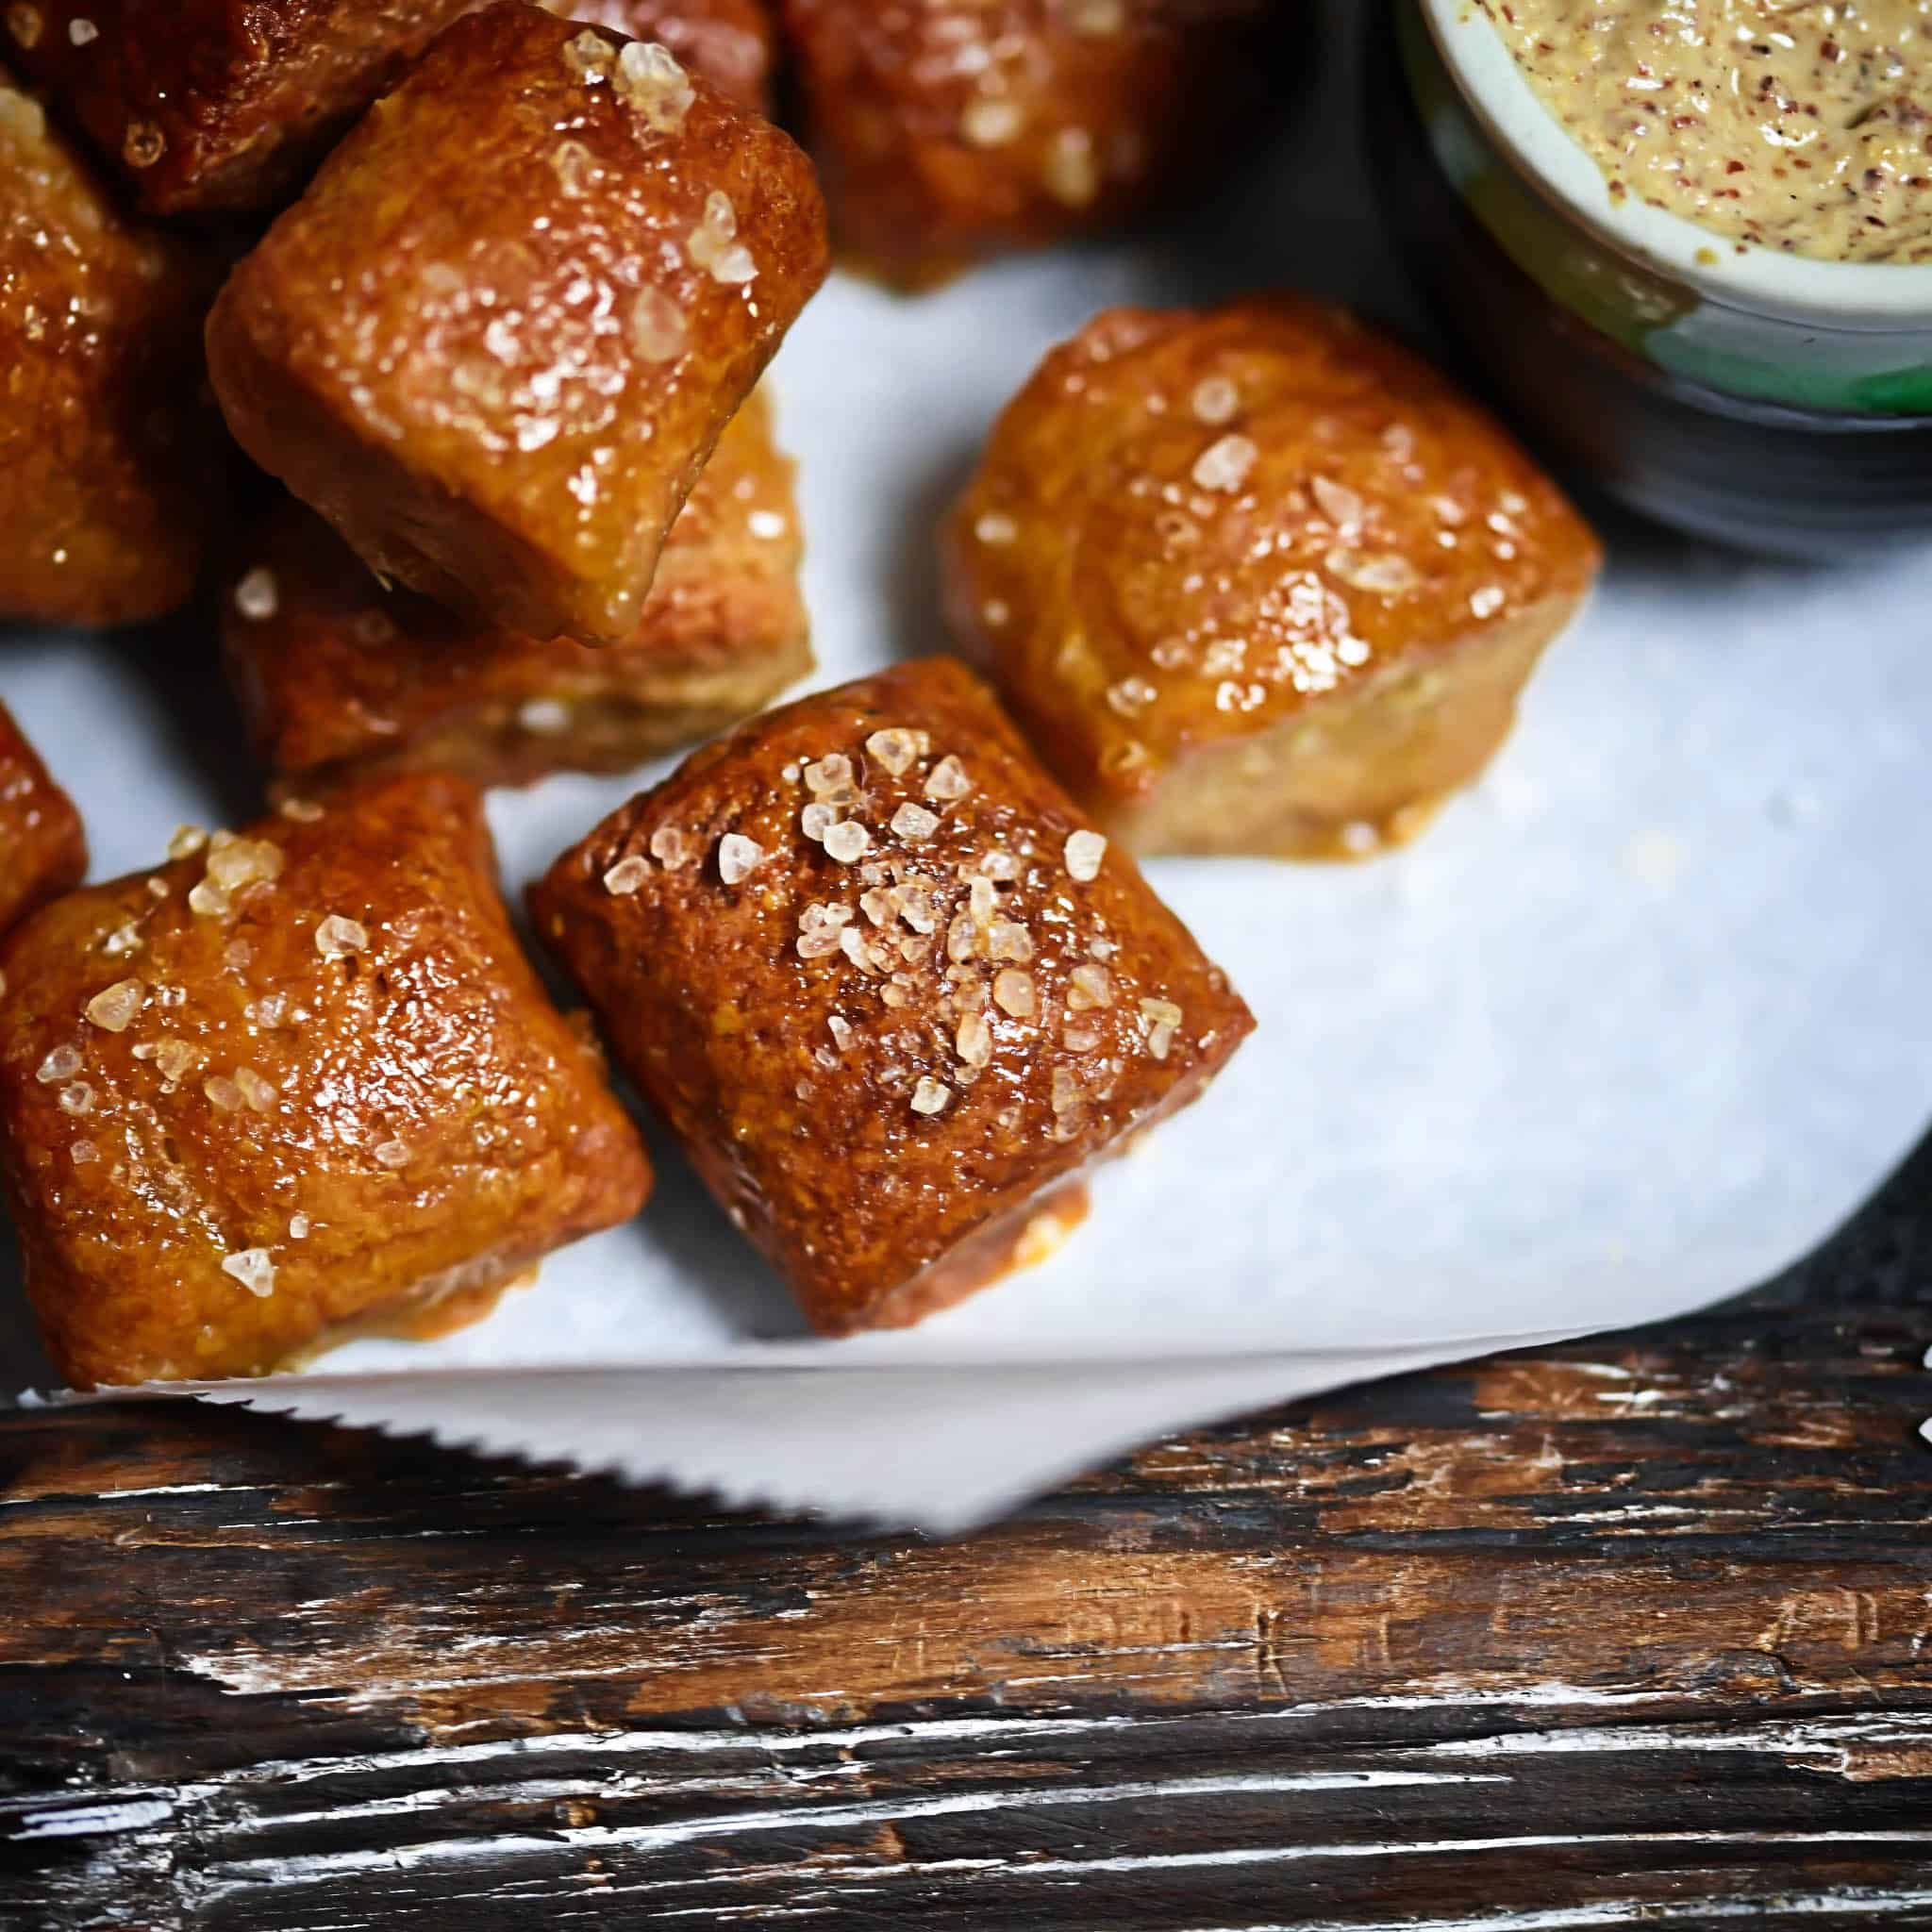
<point>1256,577</point>
<point>349,1078</point>
<point>729,41</point>
<point>948,130</point>
<point>104,440</point>
<point>796,1056</point>
<point>338,676</point>
<point>43,849</point>
<point>496,339</point>
<point>212,104</point>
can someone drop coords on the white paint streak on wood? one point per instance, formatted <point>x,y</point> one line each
<point>654,1838</point>
<point>1860,1900</point>
<point>1836,1738</point>
<point>773,1743</point>
<point>1151,1862</point>
<point>129,1496</point>
<point>92,1821</point>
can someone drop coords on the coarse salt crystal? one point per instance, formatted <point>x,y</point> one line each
<point>390,1154</point>
<point>337,937</point>
<point>738,858</point>
<point>1340,505</point>
<point>1007,938</point>
<point>1089,986</point>
<point>1012,992</point>
<point>962,937</point>
<point>1385,573</point>
<point>255,596</point>
<point>543,717</point>
<point>625,876</point>
<point>76,1098</point>
<point>1225,465</point>
<point>175,1058</point>
<point>1084,851</point>
<point>1095,18</point>
<point>254,1268</point>
<point>651,83</point>
<point>588,56</point>
<point>1162,1018</point>
<point>930,1097</point>
<point>1215,400</point>
<point>245,862</point>
<point>658,329</point>
<point>895,749</point>
<point>668,847</point>
<point>973,1041</point>
<point>256,1090</point>
<point>988,120</point>
<point>914,824</point>
<point>996,527</point>
<point>61,1064</point>
<point>947,781</point>
<point>114,1006</point>
<point>832,778</point>
<point>1072,171</point>
<point>847,842</point>
<point>186,841</point>
<point>81,31</point>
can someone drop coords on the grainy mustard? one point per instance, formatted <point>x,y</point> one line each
<point>1799,125</point>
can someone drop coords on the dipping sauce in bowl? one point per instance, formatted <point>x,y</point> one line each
<point>1801,128</point>
<point>1690,241</point>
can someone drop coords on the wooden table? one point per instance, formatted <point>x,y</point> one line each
<point>1636,1630</point>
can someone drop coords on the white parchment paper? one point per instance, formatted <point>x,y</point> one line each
<point>1635,1025</point>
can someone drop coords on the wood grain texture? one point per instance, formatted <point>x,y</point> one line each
<point>1629,1631</point>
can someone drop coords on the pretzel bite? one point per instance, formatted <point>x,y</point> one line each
<point>105,441</point>
<point>496,339</point>
<point>892,990</point>
<point>729,41</point>
<point>949,130</point>
<point>293,1086</point>
<point>1256,579</point>
<point>338,675</point>
<point>208,104</point>
<point>43,849</point>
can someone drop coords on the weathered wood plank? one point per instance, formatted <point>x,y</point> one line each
<point>1616,1633</point>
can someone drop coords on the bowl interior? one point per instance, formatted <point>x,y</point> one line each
<point>1802,289</point>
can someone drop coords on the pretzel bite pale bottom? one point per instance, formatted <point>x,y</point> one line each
<point>1367,771</point>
